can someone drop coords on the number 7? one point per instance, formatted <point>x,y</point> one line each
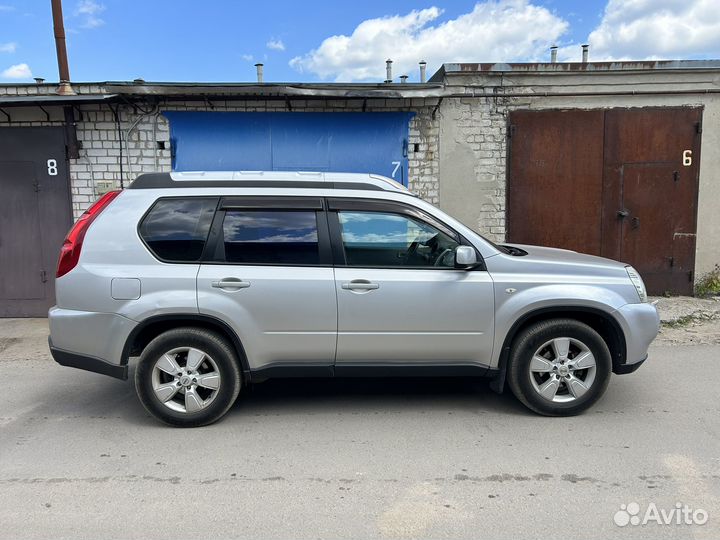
<point>395,170</point>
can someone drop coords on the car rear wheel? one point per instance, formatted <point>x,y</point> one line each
<point>559,367</point>
<point>188,377</point>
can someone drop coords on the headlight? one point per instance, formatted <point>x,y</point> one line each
<point>638,282</point>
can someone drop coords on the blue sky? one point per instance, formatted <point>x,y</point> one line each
<point>220,40</point>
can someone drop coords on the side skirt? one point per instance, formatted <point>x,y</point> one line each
<point>281,371</point>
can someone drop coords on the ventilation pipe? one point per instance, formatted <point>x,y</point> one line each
<point>259,68</point>
<point>423,66</point>
<point>388,71</point>
<point>403,79</point>
<point>64,88</point>
<point>585,49</point>
<point>553,54</point>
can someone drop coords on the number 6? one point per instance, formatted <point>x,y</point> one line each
<point>52,167</point>
<point>687,158</point>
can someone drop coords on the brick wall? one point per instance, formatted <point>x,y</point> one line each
<point>473,138</point>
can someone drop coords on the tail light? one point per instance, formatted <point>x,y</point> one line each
<point>70,250</point>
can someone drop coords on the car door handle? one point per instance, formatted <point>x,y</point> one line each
<point>360,285</point>
<point>231,284</point>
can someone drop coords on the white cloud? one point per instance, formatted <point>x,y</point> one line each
<point>642,29</point>
<point>18,71</point>
<point>5,7</point>
<point>89,11</point>
<point>8,47</point>
<point>495,30</point>
<point>275,45</point>
<point>247,57</point>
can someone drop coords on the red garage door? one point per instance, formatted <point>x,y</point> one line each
<point>621,183</point>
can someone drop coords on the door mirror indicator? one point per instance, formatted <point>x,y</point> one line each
<point>465,257</point>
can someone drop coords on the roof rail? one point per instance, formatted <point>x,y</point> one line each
<point>267,179</point>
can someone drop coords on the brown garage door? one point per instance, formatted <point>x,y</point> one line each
<point>34,217</point>
<point>621,183</point>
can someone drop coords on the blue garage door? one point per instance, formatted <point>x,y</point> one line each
<point>338,142</point>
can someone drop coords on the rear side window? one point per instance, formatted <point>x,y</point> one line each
<point>277,237</point>
<point>176,229</point>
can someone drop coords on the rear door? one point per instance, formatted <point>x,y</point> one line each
<point>400,299</point>
<point>270,277</point>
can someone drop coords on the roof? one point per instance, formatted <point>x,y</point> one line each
<point>123,91</point>
<point>436,88</point>
<point>278,90</point>
<point>574,67</point>
<point>53,99</point>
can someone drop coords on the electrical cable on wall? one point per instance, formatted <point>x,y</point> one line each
<point>120,142</point>
<point>154,110</point>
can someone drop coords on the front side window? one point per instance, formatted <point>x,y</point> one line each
<point>277,237</point>
<point>389,240</point>
<point>176,229</point>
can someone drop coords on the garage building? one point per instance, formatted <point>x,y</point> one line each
<point>616,159</point>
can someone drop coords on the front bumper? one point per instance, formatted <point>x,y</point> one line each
<point>88,363</point>
<point>640,324</point>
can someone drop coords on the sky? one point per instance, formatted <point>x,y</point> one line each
<point>341,40</point>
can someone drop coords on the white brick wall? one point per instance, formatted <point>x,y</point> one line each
<point>472,168</point>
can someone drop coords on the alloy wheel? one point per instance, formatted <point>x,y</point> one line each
<point>562,369</point>
<point>186,379</point>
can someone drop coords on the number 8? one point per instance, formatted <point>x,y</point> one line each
<point>52,167</point>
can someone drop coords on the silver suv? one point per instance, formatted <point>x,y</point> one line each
<point>219,280</point>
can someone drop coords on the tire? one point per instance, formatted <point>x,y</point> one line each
<point>549,385</point>
<point>179,397</point>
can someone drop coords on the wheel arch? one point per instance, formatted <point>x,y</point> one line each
<point>152,327</point>
<point>600,321</point>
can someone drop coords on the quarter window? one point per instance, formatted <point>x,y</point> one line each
<point>176,229</point>
<point>278,237</point>
<point>389,240</point>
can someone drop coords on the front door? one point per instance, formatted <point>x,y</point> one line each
<point>271,279</point>
<point>400,298</point>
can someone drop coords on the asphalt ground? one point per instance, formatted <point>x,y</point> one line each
<point>393,458</point>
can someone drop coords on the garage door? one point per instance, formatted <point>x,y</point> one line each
<point>621,183</point>
<point>34,217</point>
<point>339,142</point>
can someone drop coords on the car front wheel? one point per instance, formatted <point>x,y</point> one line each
<point>559,367</point>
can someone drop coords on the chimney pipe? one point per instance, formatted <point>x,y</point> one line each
<point>39,80</point>
<point>64,89</point>
<point>259,68</point>
<point>553,54</point>
<point>423,66</point>
<point>403,79</point>
<point>388,71</point>
<point>585,49</point>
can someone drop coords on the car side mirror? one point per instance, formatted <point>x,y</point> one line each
<point>465,257</point>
